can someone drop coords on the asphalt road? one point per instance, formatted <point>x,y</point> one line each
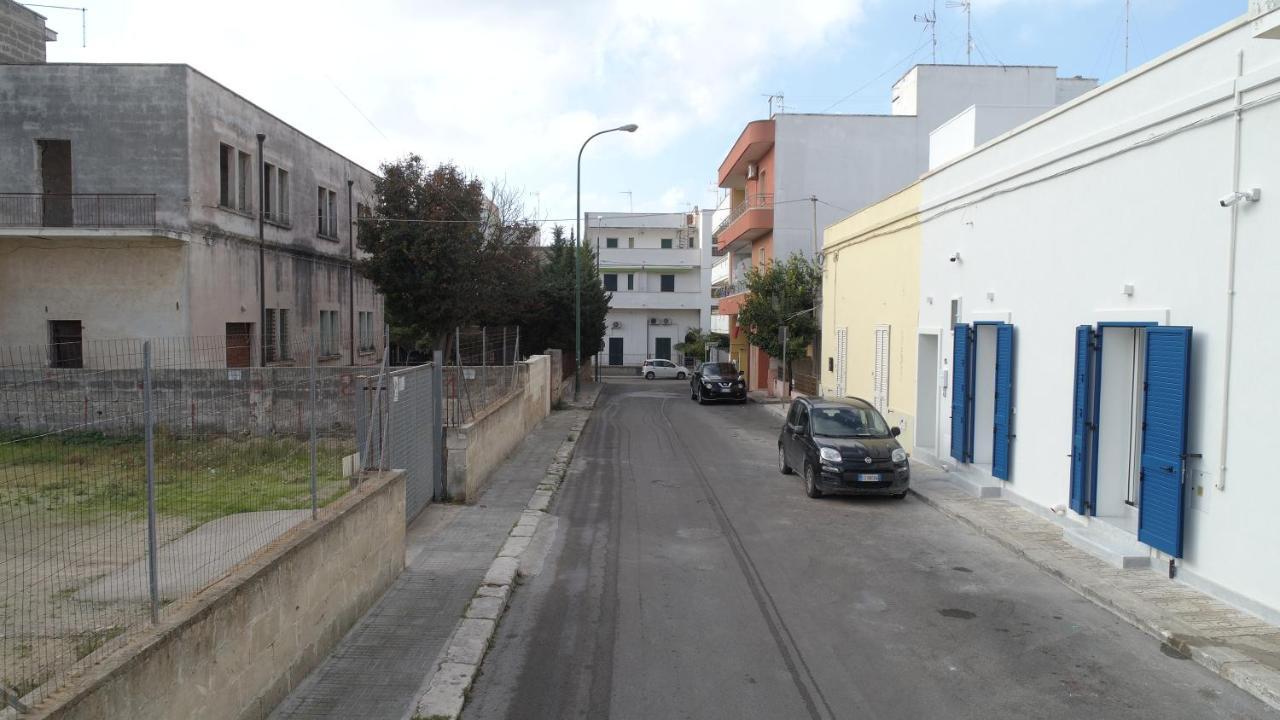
<point>684,577</point>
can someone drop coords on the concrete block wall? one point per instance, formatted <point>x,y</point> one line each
<point>478,447</point>
<point>235,651</point>
<point>260,401</point>
<point>22,34</point>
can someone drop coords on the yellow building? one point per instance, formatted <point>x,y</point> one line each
<point>870,308</point>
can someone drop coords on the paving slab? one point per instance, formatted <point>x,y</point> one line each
<point>1241,648</point>
<point>379,669</point>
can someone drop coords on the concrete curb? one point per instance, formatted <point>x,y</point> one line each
<point>1260,681</point>
<point>459,664</point>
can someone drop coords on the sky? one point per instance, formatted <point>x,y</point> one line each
<point>508,89</point>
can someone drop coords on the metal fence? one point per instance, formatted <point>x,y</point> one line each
<point>91,210</point>
<point>404,430</point>
<point>151,471</point>
<point>483,370</point>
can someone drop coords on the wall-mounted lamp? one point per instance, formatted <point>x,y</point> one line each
<point>1128,290</point>
<point>1233,199</point>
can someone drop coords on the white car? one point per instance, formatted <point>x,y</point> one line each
<point>655,368</point>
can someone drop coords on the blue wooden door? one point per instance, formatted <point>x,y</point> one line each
<point>1164,438</point>
<point>1080,502</point>
<point>1000,448</point>
<point>962,394</point>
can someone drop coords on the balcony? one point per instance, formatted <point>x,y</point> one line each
<point>745,222</point>
<point>730,297</point>
<point>82,210</point>
<point>755,141</point>
<point>647,258</point>
<point>651,300</point>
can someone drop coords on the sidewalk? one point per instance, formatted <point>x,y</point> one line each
<point>1241,648</point>
<point>380,667</point>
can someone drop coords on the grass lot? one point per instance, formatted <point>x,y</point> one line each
<point>199,479</point>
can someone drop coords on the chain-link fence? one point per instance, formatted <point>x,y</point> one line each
<point>482,368</point>
<point>135,473</point>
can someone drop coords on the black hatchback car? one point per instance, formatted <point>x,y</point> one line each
<point>717,381</point>
<point>843,447</point>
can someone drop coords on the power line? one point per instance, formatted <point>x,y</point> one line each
<point>355,107</point>
<point>873,80</point>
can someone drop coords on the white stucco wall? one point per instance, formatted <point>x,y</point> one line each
<point>1050,253</point>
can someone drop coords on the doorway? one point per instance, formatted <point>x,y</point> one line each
<point>55,182</point>
<point>615,351</point>
<point>662,348</point>
<point>239,345</point>
<point>1118,441</point>
<point>927,394</point>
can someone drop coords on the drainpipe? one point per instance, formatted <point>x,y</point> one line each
<point>262,255</point>
<point>1231,278</point>
<point>351,270</point>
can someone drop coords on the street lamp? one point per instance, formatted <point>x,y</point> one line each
<point>577,262</point>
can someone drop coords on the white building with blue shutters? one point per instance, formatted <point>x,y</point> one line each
<point>1098,329</point>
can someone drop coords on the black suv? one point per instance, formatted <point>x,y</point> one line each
<point>843,447</point>
<point>717,381</point>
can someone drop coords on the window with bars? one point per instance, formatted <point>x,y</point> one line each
<point>283,319</point>
<point>269,349</point>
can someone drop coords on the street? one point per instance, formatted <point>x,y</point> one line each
<point>684,577</point>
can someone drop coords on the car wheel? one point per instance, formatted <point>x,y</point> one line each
<point>782,461</point>
<point>649,375</point>
<point>679,376</point>
<point>811,482</point>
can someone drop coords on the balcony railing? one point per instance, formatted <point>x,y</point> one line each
<point>728,289</point>
<point>80,210</point>
<point>752,202</point>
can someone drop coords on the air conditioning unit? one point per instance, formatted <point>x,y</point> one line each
<point>653,321</point>
<point>751,171</point>
<point>617,325</point>
<point>666,321</point>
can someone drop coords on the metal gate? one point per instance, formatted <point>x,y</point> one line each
<point>407,424</point>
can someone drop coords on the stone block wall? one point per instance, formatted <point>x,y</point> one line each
<point>235,651</point>
<point>478,447</point>
<point>256,401</point>
<point>22,34</point>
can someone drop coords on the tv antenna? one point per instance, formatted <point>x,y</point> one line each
<point>930,22</point>
<point>967,5</point>
<point>776,96</point>
<point>1127,4</point>
<point>82,11</point>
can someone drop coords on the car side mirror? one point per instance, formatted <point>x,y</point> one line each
<point>895,431</point>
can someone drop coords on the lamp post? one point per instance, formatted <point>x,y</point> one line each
<point>577,263</point>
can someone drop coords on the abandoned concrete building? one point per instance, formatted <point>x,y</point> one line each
<point>151,201</point>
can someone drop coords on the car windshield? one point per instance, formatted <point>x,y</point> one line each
<point>719,370</point>
<point>848,422</point>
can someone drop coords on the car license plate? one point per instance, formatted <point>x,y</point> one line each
<point>864,477</point>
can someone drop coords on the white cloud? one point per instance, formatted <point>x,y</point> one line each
<point>502,87</point>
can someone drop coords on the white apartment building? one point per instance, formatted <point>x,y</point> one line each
<point>655,266</point>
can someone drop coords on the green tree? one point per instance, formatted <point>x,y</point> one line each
<point>552,325</point>
<point>444,254</point>
<point>697,343</point>
<point>778,293</point>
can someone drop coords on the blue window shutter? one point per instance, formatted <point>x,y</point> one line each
<point>962,394</point>
<point>1000,448</point>
<point>1080,419</point>
<point>1164,438</point>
